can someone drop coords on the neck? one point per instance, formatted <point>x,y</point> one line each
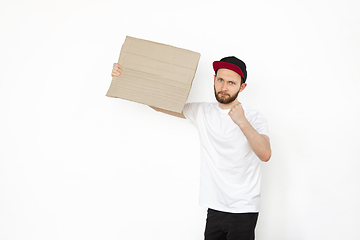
<point>228,105</point>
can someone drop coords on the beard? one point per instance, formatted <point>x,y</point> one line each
<point>227,99</point>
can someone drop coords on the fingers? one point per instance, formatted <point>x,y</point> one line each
<point>236,106</point>
<point>116,71</point>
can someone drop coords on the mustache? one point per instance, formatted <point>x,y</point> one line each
<point>221,92</point>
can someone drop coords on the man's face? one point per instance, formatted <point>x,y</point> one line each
<point>227,85</point>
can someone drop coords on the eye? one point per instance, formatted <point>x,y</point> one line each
<point>231,83</point>
<point>220,79</point>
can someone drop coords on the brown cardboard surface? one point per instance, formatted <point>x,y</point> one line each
<point>155,74</point>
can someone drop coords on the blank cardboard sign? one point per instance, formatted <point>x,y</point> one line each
<point>155,74</point>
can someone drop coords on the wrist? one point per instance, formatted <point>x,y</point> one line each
<point>242,123</point>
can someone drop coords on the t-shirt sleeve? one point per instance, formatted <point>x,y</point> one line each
<point>260,124</point>
<point>190,111</point>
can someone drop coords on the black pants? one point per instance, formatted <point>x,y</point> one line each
<point>230,226</point>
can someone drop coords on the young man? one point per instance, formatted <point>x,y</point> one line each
<point>234,138</point>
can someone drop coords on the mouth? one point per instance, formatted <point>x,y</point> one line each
<point>223,94</point>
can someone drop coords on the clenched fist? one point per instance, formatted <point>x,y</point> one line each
<point>237,114</point>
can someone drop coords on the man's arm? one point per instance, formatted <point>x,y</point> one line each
<point>259,143</point>
<point>176,114</point>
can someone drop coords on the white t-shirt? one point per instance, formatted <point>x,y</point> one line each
<point>230,171</point>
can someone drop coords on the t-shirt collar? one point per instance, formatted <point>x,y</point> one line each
<point>223,111</point>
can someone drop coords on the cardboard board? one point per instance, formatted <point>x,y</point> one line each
<point>155,74</point>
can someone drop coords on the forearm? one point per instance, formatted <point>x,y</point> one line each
<point>176,114</point>
<point>259,143</point>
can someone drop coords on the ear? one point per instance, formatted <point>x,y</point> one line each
<point>243,86</point>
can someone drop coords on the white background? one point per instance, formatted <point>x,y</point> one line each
<point>75,164</point>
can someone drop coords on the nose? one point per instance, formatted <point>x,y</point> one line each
<point>223,86</point>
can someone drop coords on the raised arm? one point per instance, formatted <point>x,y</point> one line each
<point>259,143</point>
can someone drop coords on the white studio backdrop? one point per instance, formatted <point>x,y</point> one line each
<point>75,164</point>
